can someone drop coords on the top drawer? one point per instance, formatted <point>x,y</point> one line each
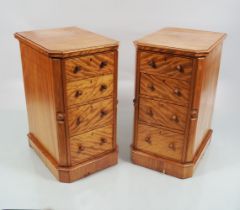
<point>89,66</point>
<point>166,65</point>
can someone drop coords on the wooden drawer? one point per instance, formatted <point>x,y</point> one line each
<point>163,114</point>
<point>165,88</point>
<point>89,66</point>
<point>83,91</point>
<point>90,144</point>
<point>166,65</point>
<point>160,142</point>
<point>87,117</point>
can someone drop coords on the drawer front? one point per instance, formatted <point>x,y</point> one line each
<point>90,144</point>
<point>163,114</point>
<point>87,117</point>
<point>86,90</point>
<point>89,66</point>
<point>160,142</point>
<point>166,65</point>
<point>165,88</point>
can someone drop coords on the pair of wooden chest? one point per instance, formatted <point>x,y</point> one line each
<point>70,79</point>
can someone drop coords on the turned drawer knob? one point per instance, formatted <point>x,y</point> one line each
<point>76,69</point>
<point>78,93</point>
<point>151,87</point>
<point>150,112</point>
<point>103,141</point>
<point>177,92</point>
<point>103,64</point>
<point>180,68</point>
<point>148,140</point>
<point>103,113</point>
<point>78,121</point>
<point>172,146</point>
<point>80,148</point>
<point>175,118</point>
<point>152,63</point>
<point>103,87</point>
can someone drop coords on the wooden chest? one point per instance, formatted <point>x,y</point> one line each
<point>176,79</point>
<point>70,79</point>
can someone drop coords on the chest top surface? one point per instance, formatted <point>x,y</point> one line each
<point>64,40</point>
<point>196,41</point>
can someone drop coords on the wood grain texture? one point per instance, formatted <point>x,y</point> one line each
<point>204,98</point>
<point>40,98</point>
<point>88,117</point>
<point>62,42</point>
<point>189,40</point>
<point>186,61</point>
<point>160,142</point>
<point>91,144</point>
<point>89,66</point>
<point>166,65</point>
<point>164,88</point>
<point>163,114</point>
<point>83,91</point>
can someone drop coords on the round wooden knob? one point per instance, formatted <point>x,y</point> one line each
<point>80,148</point>
<point>150,112</point>
<point>103,141</point>
<point>103,87</point>
<point>148,139</point>
<point>174,118</point>
<point>151,87</point>
<point>152,63</point>
<point>76,69</point>
<point>172,146</point>
<point>78,93</point>
<point>177,92</point>
<point>103,64</point>
<point>180,68</point>
<point>103,113</point>
<point>78,121</point>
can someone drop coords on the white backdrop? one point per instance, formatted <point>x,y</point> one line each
<point>28,184</point>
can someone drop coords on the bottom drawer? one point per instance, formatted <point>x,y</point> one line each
<point>160,142</point>
<point>87,145</point>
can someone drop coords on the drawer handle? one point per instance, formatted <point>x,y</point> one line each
<point>103,64</point>
<point>180,68</point>
<point>152,63</point>
<point>76,69</point>
<point>78,93</point>
<point>103,141</point>
<point>103,87</point>
<point>148,140</point>
<point>151,87</point>
<point>177,92</point>
<point>172,146</point>
<point>80,148</point>
<point>78,121</point>
<point>150,112</point>
<point>175,118</point>
<point>103,113</point>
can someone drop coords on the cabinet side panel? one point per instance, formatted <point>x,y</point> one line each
<point>205,99</point>
<point>39,92</point>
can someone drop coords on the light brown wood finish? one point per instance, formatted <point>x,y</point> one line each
<point>164,114</point>
<point>160,142</point>
<point>166,65</point>
<point>65,42</point>
<point>89,66</point>
<point>82,91</point>
<point>58,99</point>
<point>164,88</point>
<point>90,144</point>
<point>86,117</point>
<point>186,60</point>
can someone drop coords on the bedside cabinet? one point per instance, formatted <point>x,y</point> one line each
<point>70,80</point>
<point>176,79</point>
